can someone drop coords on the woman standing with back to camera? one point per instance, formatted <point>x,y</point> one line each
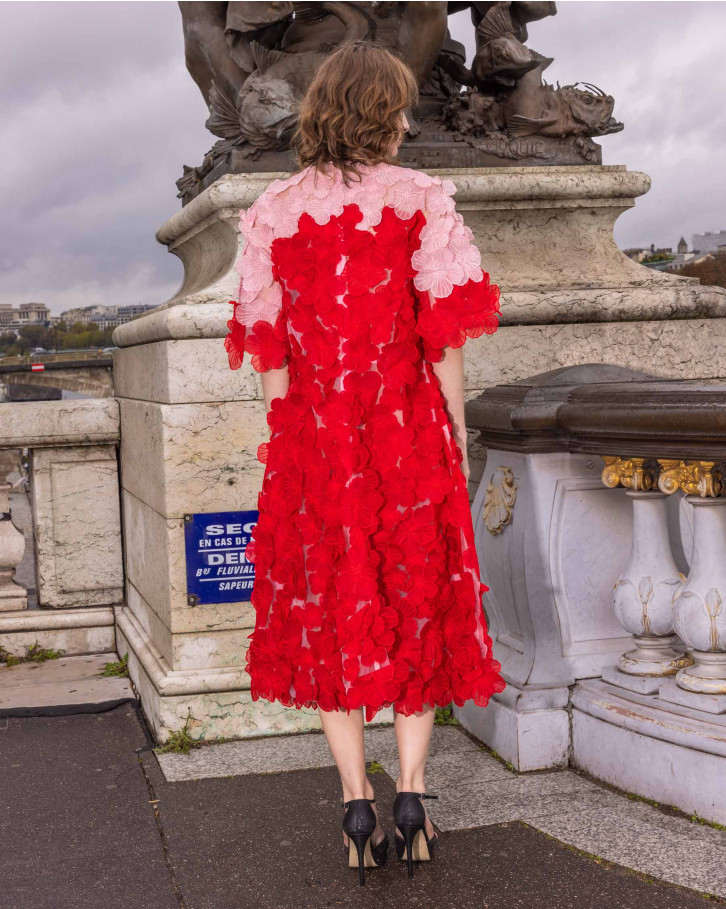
<point>359,286</point>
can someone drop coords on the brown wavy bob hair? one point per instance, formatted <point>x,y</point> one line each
<point>350,113</point>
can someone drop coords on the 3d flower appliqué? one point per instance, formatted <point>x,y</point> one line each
<point>367,589</point>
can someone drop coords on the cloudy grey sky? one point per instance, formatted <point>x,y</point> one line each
<point>99,114</point>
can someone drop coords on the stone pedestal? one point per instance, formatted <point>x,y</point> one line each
<point>190,428</point>
<point>675,754</point>
<point>569,295</point>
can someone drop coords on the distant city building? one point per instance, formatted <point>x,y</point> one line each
<point>26,314</point>
<point>651,257</point>
<point>103,317</point>
<point>663,258</point>
<point>708,242</point>
<point>85,314</point>
<point>681,258</point>
<point>126,313</point>
<point>636,253</point>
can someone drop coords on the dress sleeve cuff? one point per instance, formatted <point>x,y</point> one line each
<point>469,311</point>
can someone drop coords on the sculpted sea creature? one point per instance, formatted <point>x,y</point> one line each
<point>535,108</point>
<point>501,58</point>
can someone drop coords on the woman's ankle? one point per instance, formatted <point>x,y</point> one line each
<point>365,792</point>
<point>410,784</point>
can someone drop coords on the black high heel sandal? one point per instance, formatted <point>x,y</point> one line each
<point>409,816</point>
<point>359,822</point>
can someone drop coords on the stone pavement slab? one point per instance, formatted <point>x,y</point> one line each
<point>89,821</point>
<point>273,841</point>
<point>76,827</point>
<point>264,755</point>
<point>640,837</point>
<point>476,790</point>
<point>450,750</point>
<point>63,686</point>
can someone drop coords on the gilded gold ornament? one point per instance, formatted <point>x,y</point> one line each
<point>632,473</point>
<point>695,478</point>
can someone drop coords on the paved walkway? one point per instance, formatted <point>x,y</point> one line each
<point>63,686</point>
<point>90,818</point>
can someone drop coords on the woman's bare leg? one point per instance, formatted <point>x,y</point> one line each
<point>413,734</point>
<point>344,732</point>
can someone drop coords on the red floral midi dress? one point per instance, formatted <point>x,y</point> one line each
<point>367,590</point>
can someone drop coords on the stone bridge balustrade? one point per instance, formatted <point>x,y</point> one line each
<point>75,503</point>
<point>618,525</point>
<point>551,541</point>
<point>88,373</point>
<point>682,449</point>
<point>698,614</point>
<point>647,588</point>
<point>12,549</point>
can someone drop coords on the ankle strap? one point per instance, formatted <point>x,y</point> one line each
<point>421,795</point>
<point>346,804</point>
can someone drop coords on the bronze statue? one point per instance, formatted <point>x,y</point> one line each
<point>253,62</point>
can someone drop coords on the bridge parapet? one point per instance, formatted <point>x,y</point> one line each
<point>74,494</point>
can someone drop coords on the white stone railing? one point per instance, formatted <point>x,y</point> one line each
<point>74,493</point>
<point>678,623</point>
<point>12,548</point>
<point>600,526</point>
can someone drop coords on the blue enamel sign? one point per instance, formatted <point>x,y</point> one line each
<point>217,570</point>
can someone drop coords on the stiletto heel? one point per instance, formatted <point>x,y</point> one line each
<point>359,823</point>
<point>409,817</point>
<point>409,835</point>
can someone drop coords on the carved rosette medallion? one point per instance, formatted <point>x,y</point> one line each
<point>499,500</point>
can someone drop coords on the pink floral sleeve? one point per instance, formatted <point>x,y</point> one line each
<point>455,297</point>
<point>258,323</point>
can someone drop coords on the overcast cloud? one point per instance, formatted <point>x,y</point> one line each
<point>98,115</point>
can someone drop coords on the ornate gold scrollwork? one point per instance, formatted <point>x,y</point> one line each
<point>499,500</point>
<point>695,478</point>
<point>633,473</point>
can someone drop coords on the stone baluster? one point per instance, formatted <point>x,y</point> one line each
<point>700,609</point>
<point>12,548</point>
<point>650,582</point>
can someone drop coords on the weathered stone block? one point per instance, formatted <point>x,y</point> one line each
<point>77,526</point>
<point>182,372</point>
<point>182,458</point>
<point>682,349</point>
<point>156,568</point>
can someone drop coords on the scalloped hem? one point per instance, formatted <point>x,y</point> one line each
<point>481,699</point>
